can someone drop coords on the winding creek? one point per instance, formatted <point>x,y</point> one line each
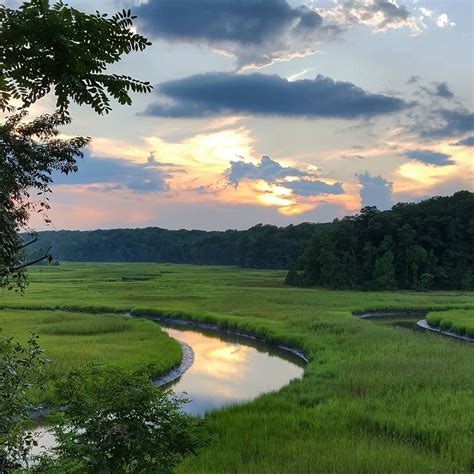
<point>222,368</point>
<point>219,369</point>
<point>229,369</point>
<point>413,320</point>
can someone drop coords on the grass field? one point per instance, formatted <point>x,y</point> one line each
<point>73,341</point>
<point>458,321</point>
<point>374,398</point>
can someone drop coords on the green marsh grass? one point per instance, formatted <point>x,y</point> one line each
<point>75,340</point>
<point>459,321</point>
<point>374,398</point>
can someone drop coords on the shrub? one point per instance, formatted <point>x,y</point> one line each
<point>20,373</point>
<point>115,422</point>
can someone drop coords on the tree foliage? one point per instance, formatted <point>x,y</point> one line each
<point>30,152</point>
<point>113,422</point>
<point>429,245</point>
<point>262,246</point>
<point>57,48</point>
<point>20,371</point>
<point>60,50</point>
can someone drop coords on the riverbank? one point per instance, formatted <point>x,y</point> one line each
<point>424,324</point>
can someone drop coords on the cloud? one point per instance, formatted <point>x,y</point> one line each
<point>443,21</point>
<point>381,15</point>
<point>267,170</point>
<point>430,157</point>
<point>450,123</point>
<point>375,191</point>
<point>113,173</point>
<point>442,90</point>
<point>306,184</point>
<point>219,93</point>
<point>313,187</point>
<point>254,32</point>
<point>413,79</point>
<point>469,141</point>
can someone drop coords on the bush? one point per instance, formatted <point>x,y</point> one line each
<point>20,373</point>
<point>115,422</point>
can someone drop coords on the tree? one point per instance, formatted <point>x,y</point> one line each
<point>113,422</point>
<point>416,258</point>
<point>427,245</point>
<point>30,152</point>
<point>20,371</point>
<point>61,50</point>
<point>384,268</point>
<point>385,272</point>
<point>57,48</point>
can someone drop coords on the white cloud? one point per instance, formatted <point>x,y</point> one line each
<point>443,21</point>
<point>425,12</point>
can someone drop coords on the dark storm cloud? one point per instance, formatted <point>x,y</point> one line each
<point>112,173</point>
<point>430,157</point>
<point>375,191</point>
<point>267,170</point>
<point>313,187</point>
<point>214,94</point>
<point>469,141</point>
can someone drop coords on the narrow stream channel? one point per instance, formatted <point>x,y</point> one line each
<point>226,370</point>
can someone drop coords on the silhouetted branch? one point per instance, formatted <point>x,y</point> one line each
<point>47,256</point>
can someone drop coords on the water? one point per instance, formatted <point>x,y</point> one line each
<point>226,370</point>
<point>229,370</point>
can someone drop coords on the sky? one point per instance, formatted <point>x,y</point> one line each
<point>277,112</point>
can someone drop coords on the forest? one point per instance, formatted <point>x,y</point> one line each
<point>429,245</point>
<point>420,246</point>
<point>262,246</point>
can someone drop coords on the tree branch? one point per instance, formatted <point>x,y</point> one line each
<point>29,243</point>
<point>21,267</point>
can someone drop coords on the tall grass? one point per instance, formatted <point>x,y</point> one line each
<point>75,340</point>
<point>374,398</point>
<point>459,321</point>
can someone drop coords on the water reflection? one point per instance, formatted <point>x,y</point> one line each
<point>226,370</point>
<point>230,370</point>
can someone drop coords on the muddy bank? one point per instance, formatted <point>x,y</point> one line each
<point>424,324</point>
<point>174,374</point>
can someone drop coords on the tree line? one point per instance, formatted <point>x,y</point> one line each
<point>420,246</point>
<point>429,245</point>
<point>262,246</point>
